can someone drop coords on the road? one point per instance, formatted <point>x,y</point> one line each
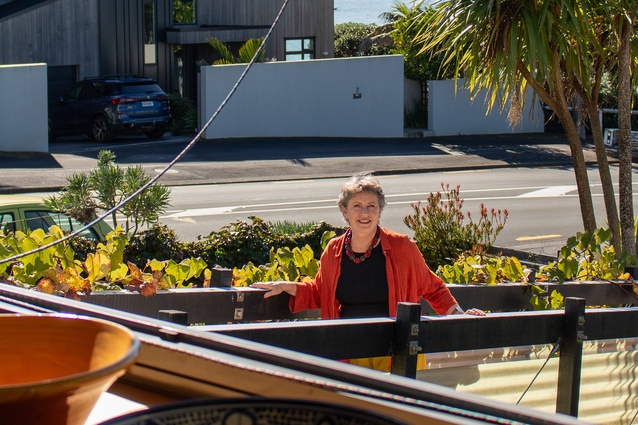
<point>542,203</point>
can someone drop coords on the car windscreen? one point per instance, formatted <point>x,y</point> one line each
<point>140,88</point>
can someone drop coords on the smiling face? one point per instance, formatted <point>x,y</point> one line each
<point>362,213</point>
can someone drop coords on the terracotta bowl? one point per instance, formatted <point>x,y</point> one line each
<point>55,367</point>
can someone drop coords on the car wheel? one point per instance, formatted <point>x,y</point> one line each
<point>155,134</point>
<point>101,130</point>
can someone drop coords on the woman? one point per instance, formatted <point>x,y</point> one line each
<point>369,269</point>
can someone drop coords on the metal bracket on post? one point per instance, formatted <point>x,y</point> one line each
<point>406,339</point>
<point>571,357</point>
<point>239,307</point>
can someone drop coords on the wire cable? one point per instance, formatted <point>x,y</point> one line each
<point>551,354</point>
<point>179,156</point>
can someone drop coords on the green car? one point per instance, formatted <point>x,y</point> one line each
<point>27,213</point>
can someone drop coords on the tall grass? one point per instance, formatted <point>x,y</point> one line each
<point>288,227</point>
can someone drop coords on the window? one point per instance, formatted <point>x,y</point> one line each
<point>45,219</point>
<point>7,223</point>
<point>74,93</point>
<point>150,56</point>
<point>184,12</point>
<point>300,49</point>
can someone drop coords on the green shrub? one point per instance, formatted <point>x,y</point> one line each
<point>479,267</point>
<point>159,243</point>
<point>243,242</point>
<point>349,37</point>
<point>237,244</point>
<point>440,229</point>
<point>315,237</point>
<point>184,115</point>
<point>587,257</point>
<point>82,247</point>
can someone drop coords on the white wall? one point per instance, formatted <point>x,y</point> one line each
<point>453,114</point>
<point>306,99</point>
<point>23,108</point>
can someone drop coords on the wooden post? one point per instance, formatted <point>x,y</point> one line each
<point>221,277</point>
<point>571,357</point>
<point>174,316</point>
<point>406,339</point>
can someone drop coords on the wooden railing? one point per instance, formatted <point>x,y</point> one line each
<point>410,335</point>
<point>402,338</point>
<point>238,305</point>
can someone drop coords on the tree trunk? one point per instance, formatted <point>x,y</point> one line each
<point>605,176</point>
<point>624,135</point>
<point>580,170</point>
<point>557,102</point>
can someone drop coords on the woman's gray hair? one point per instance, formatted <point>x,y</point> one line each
<point>361,182</point>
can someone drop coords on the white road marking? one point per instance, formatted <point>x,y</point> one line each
<point>537,238</point>
<point>549,192</point>
<point>195,212</point>
<point>446,149</point>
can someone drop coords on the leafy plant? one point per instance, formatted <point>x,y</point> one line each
<point>184,11</point>
<point>103,188</point>
<point>245,54</point>
<point>543,301</point>
<point>479,267</point>
<point>587,257</point>
<point>55,270</point>
<point>441,231</point>
<point>294,265</point>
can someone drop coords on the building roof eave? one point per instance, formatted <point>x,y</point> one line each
<point>226,34</point>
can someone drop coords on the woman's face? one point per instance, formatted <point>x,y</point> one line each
<point>363,212</point>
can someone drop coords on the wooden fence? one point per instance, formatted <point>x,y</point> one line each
<point>402,338</point>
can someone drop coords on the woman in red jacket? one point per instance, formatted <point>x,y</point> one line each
<point>369,269</point>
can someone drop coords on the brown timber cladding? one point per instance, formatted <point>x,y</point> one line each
<point>302,18</point>
<point>62,32</point>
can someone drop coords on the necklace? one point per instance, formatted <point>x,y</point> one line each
<point>361,258</point>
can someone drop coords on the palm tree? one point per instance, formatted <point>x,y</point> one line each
<point>246,51</point>
<point>623,24</point>
<point>554,47</point>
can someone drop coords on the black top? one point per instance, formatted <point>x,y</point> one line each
<point>362,288</point>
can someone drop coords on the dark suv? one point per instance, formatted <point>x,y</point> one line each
<point>105,106</point>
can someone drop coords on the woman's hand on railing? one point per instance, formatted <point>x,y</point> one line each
<point>456,309</point>
<point>276,288</point>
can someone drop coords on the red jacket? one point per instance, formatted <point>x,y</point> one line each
<point>409,279</point>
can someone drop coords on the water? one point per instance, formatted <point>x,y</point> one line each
<point>361,11</point>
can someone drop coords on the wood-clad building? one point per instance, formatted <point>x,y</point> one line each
<point>162,39</point>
